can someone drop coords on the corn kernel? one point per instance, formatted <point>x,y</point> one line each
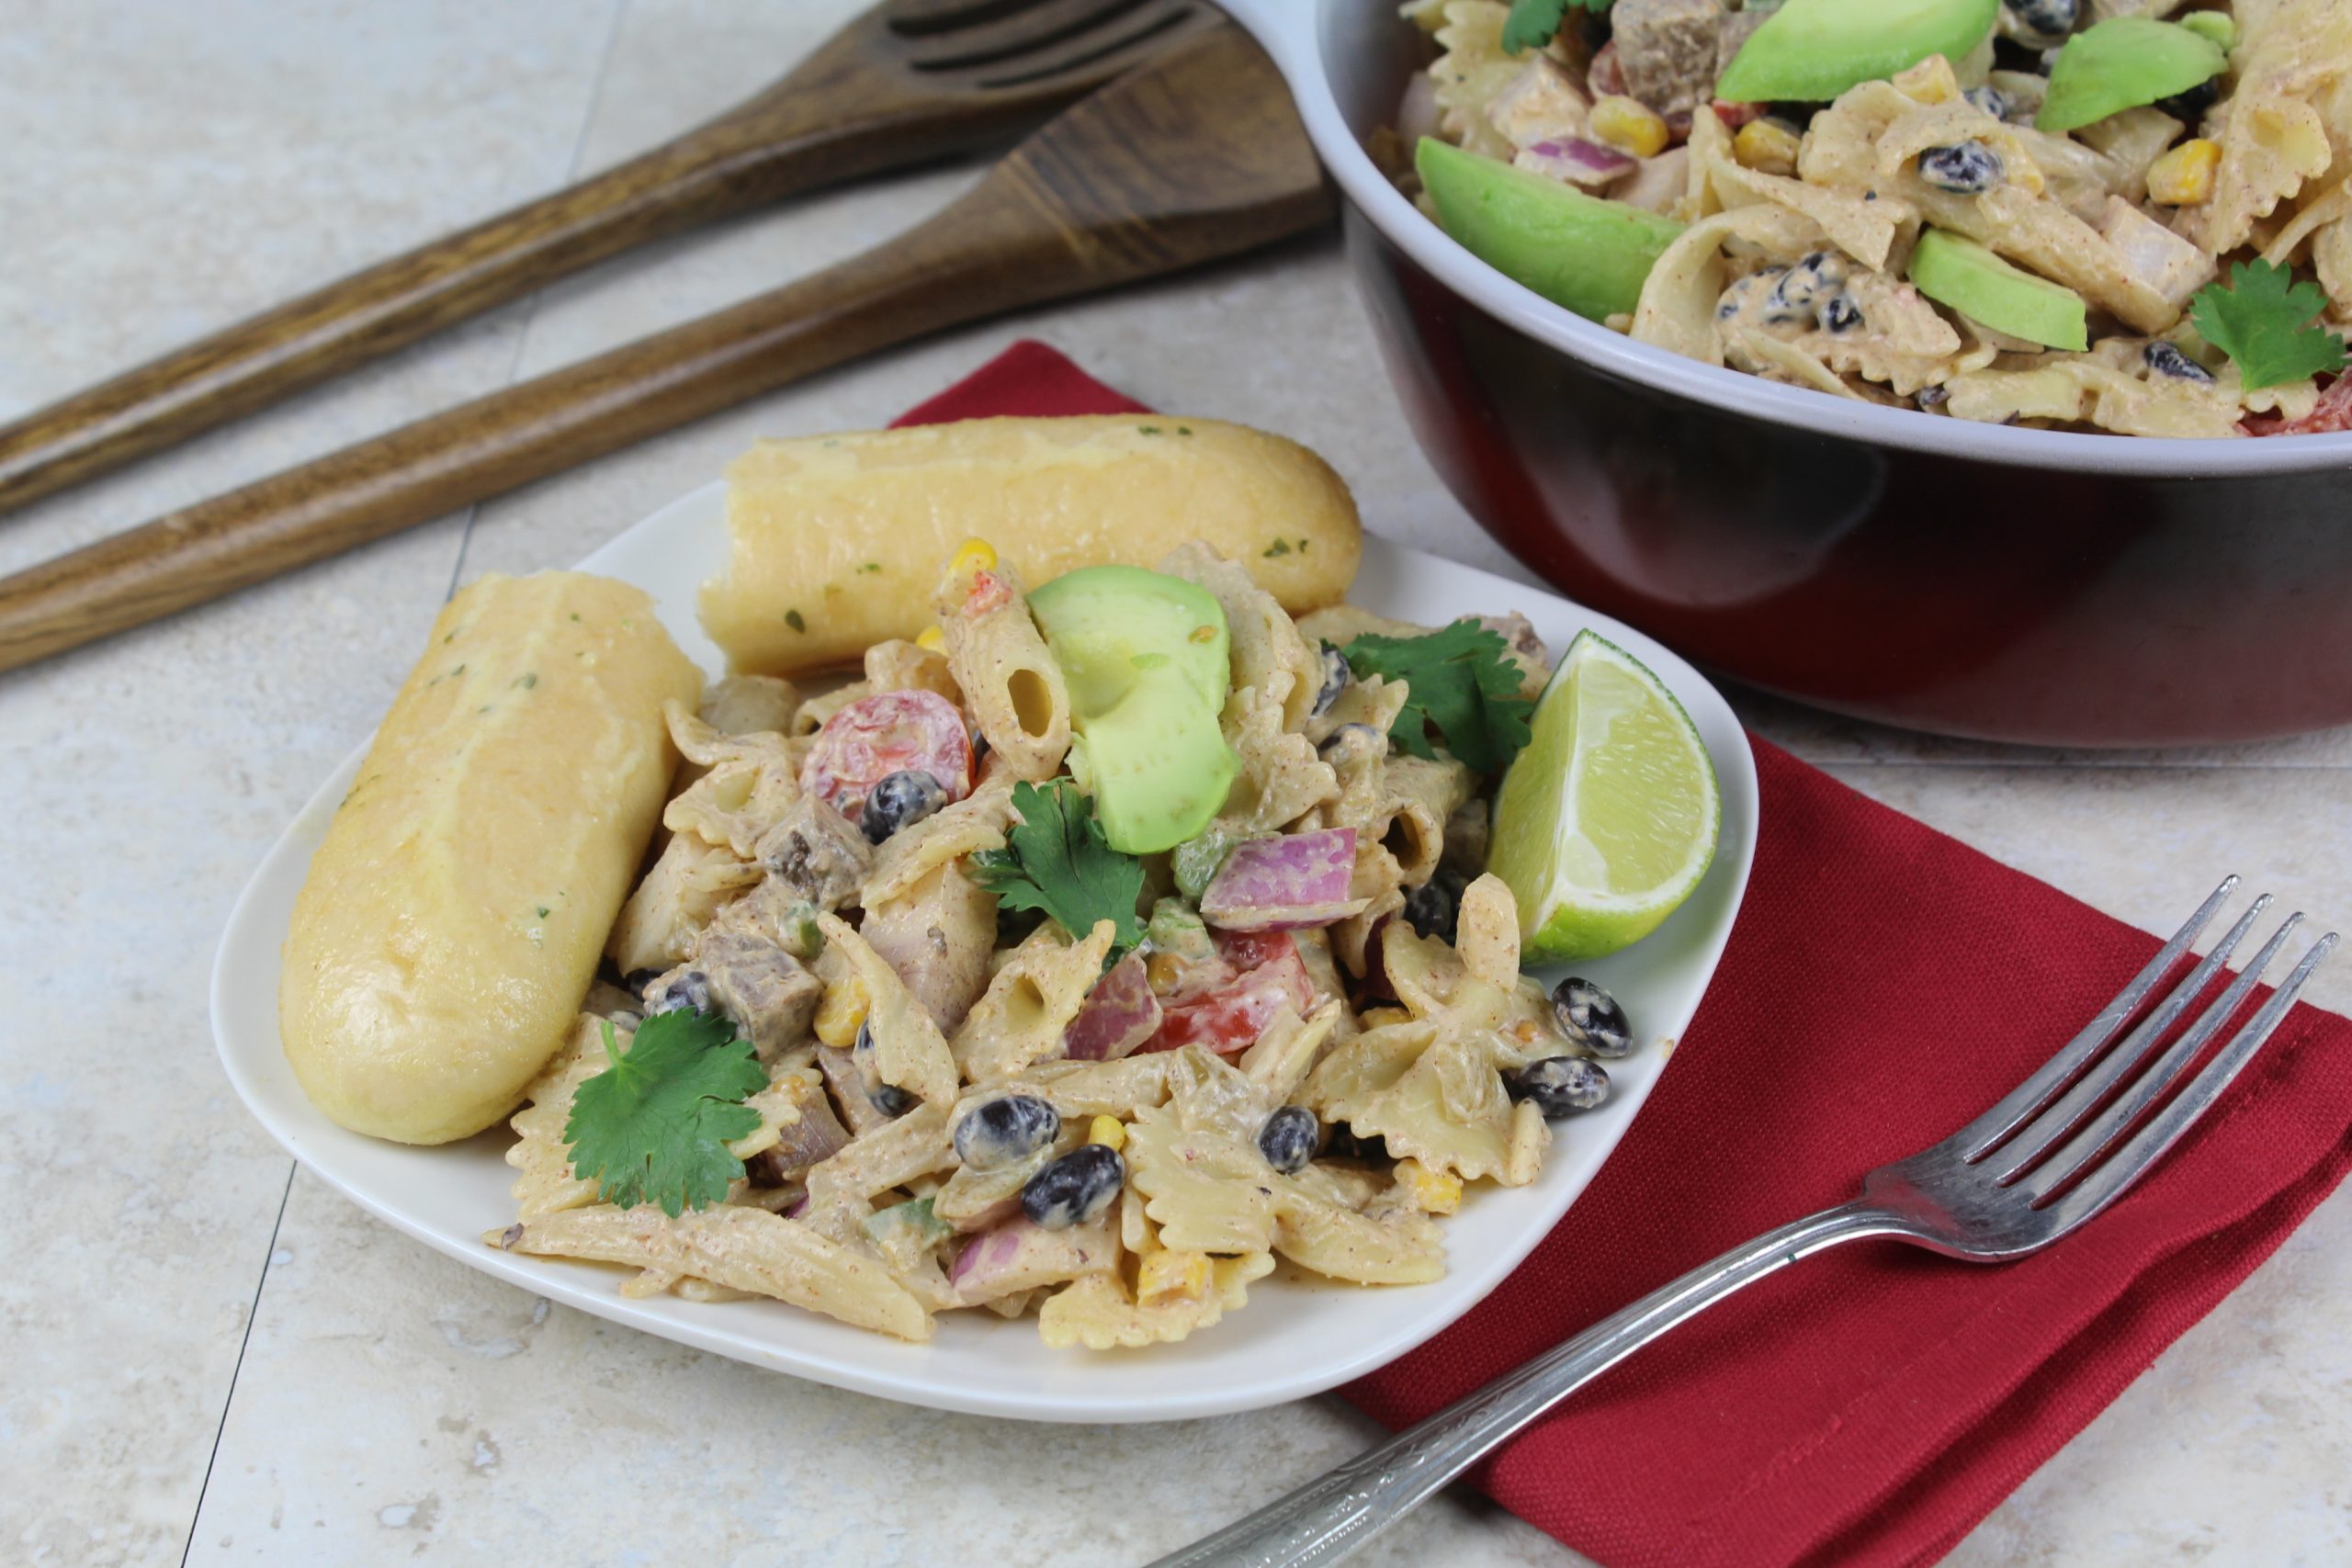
<point>2184,176</point>
<point>1375,1018</point>
<point>841,1013</point>
<point>971,556</point>
<point>1172,1275</point>
<point>1627,124</point>
<point>1929,82</point>
<point>1432,1191</point>
<point>1163,970</point>
<point>1107,1130</point>
<point>932,638</point>
<point>1767,146</point>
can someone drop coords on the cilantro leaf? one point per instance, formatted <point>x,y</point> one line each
<point>654,1125</point>
<point>1459,682</point>
<point>2264,325</point>
<point>1532,23</point>
<point>1057,861</point>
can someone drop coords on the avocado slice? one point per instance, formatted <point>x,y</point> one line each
<point>2121,63</point>
<point>1963,274</point>
<point>1584,252</point>
<point>1145,659</point>
<point>1811,50</point>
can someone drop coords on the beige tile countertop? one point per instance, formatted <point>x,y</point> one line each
<point>211,1358</point>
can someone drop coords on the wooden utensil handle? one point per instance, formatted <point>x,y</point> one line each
<point>769,148</point>
<point>985,254</point>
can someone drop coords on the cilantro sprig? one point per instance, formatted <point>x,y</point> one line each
<point>1460,684</point>
<point>654,1125</point>
<point>2263,322</point>
<point>1058,861</point>
<point>1532,23</point>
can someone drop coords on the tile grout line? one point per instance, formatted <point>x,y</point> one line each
<point>253,1311</point>
<point>531,309</point>
<point>465,539</point>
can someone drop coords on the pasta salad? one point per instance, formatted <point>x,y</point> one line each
<point>2130,215</point>
<point>956,987</point>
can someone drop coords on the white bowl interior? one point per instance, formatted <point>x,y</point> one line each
<point>1296,1336</point>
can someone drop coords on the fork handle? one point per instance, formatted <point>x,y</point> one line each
<point>1330,1517</point>
<point>770,147</point>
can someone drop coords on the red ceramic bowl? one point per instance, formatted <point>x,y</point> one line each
<point>1973,580</point>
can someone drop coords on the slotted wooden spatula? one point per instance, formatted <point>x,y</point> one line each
<point>906,82</point>
<point>1194,156</point>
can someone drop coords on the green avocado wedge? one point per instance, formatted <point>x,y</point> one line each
<point>1583,252</point>
<point>1146,658</point>
<point>1811,50</point>
<point>2121,63</point>
<point>1961,273</point>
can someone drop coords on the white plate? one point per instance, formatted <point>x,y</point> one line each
<point>1294,1338</point>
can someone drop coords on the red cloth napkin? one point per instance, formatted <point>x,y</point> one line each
<point>1883,984</point>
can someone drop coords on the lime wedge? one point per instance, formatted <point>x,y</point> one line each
<point>1606,822</point>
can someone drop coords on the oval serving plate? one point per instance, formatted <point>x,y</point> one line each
<point>1295,1338</point>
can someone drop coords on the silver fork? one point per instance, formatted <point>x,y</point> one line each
<point>2055,1151</point>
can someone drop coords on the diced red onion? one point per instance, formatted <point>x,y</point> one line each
<point>1284,883</point>
<point>1577,160</point>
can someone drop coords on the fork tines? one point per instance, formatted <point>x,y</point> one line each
<point>2083,1116</point>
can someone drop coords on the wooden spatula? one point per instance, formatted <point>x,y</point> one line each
<point>906,82</point>
<point>1192,157</point>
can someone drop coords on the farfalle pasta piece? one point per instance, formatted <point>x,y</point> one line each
<point>842,1190</point>
<point>1866,230</point>
<point>1399,1248</point>
<point>546,1183</point>
<point>1676,309</point>
<point>1281,778</point>
<point>1020,1019</point>
<point>2290,58</point>
<point>1100,1313</point>
<point>2112,387</point>
<point>1470,72</point>
<point>750,782</point>
<point>909,1051</point>
<point>1119,1089</point>
<point>690,883</point>
<point>977,822</point>
<point>1841,151</point>
<point>744,1249</point>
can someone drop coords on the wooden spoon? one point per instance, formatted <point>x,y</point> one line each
<point>906,82</point>
<point>1195,156</point>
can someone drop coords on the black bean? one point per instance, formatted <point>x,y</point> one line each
<point>1841,314</point>
<point>1434,909</point>
<point>998,1132</point>
<point>1289,1138</point>
<point>2164,359</point>
<point>2047,18</point>
<point>899,800</point>
<point>691,989</point>
<point>1075,1187</point>
<point>1964,168</point>
<point>1560,1086</point>
<point>1591,1017</point>
<point>2191,104</point>
<point>1992,100</point>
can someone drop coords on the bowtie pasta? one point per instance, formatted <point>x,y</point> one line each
<point>2130,215</point>
<point>1297,1035</point>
